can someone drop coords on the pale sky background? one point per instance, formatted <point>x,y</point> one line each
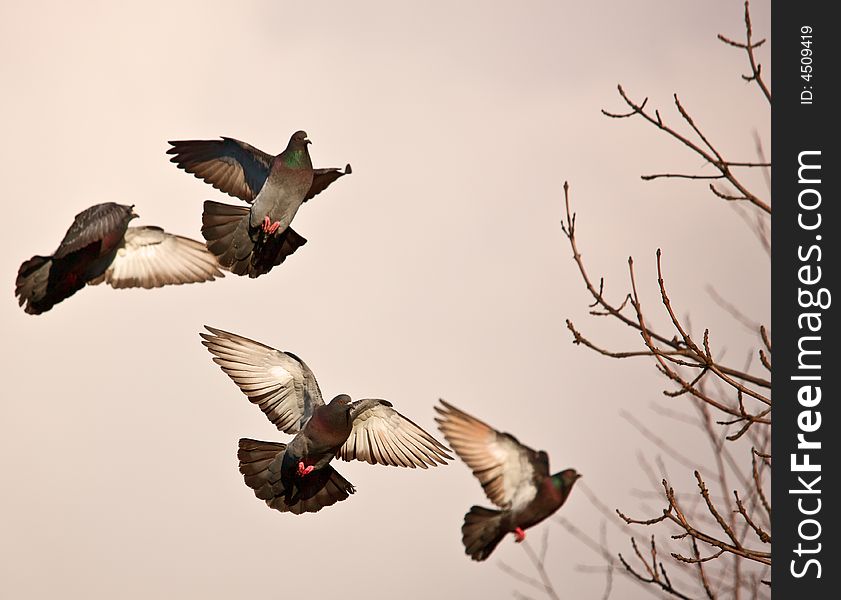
<point>438,269</point>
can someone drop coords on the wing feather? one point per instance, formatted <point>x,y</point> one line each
<point>149,258</point>
<point>505,467</point>
<point>95,224</point>
<point>322,178</point>
<point>381,435</point>
<point>229,165</point>
<point>280,383</point>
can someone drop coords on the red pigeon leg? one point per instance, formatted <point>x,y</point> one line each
<point>268,226</point>
<point>304,469</point>
<point>519,534</point>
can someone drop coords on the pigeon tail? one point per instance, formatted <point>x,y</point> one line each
<point>44,281</point>
<point>260,462</point>
<point>482,531</point>
<point>31,285</point>
<point>225,228</point>
<point>272,249</point>
<point>243,249</point>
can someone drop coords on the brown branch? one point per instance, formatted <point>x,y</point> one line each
<point>723,372</point>
<point>656,571</point>
<point>763,358</point>
<point>676,348</point>
<point>758,483</point>
<point>664,367</point>
<point>700,563</point>
<point>674,514</point>
<point>654,176</point>
<point>714,512</point>
<point>578,338</point>
<point>749,46</point>
<point>766,339</point>
<point>761,533</point>
<point>731,163</point>
<point>710,154</point>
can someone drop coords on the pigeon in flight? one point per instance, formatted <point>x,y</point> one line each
<point>515,478</point>
<point>297,477</point>
<point>100,246</point>
<point>253,240</point>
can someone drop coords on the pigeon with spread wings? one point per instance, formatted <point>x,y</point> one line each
<point>514,477</point>
<point>100,246</point>
<point>250,241</point>
<point>297,477</point>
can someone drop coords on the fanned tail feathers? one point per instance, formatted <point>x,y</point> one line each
<point>225,228</point>
<point>240,248</point>
<point>259,462</point>
<point>482,531</point>
<point>31,285</point>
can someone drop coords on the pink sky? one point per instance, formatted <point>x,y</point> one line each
<point>437,270</point>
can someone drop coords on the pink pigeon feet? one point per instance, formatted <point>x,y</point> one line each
<point>519,534</point>
<point>268,226</point>
<point>305,470</point>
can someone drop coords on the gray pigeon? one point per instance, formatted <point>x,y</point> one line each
<point>514,477</point>
<point>253,240</point>
<point>297,477</point>
<point>100,246</point>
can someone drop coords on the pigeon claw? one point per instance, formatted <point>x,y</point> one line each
<point>303,469</point>
<point>519,535</point>
<point>268,226</point>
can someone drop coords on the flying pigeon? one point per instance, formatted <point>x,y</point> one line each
<point>515,478</point>
<point>297,477</point>
<point>253,240</point>
<point>100,246</point>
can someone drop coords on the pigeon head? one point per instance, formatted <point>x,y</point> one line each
<point>296,155</point>
<point>340,400</point>
<point>563,481</point>
<point>338,411</point>
<point>299,140</point>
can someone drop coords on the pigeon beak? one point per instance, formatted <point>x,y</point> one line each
<point>134,215</point>
<point>306,141</point>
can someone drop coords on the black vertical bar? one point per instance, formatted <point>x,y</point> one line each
<point>805,326</point>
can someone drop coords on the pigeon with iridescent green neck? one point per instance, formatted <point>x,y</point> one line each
<point>514,477</point>
<point>297,477</point>
<point>250,241</point>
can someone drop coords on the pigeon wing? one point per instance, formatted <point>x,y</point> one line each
<point>321,178</point>
<point>95,224</point>
<point>150,258</point>
<point>505,467</point>
<point>382,435</point>
<point>229,165</point>
<point>280,383</point>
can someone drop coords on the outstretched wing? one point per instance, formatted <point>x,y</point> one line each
<point>382,435</point>
<point>229,165</point>
<point>321,178</point>
<point>280,383</point>
<point>505,467</point>
<point>150,257</point>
